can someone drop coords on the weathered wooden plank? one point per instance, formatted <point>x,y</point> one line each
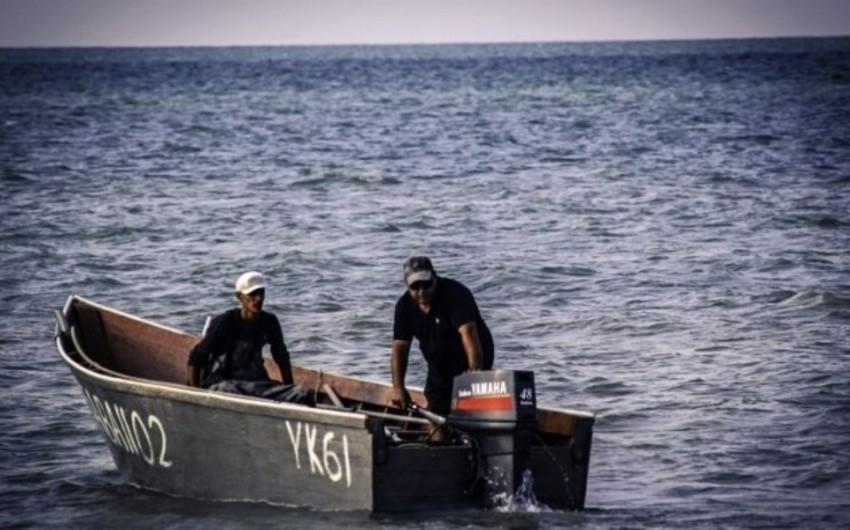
<point>145,351</point>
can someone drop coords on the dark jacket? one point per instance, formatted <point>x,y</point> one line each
<point>232,348</point>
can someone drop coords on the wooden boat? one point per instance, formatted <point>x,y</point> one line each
<point>352,451</point>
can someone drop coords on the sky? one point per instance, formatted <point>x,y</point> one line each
<point>39,23</point>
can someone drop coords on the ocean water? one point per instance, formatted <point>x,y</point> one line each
<point>660,230</point>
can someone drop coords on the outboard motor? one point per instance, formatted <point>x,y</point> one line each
<point>499,409</point>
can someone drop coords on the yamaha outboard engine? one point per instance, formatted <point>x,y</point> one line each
<point>499,409</point>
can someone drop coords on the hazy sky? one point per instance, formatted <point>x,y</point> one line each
<point>232,22</point>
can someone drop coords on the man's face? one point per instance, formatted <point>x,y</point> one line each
<point>422,291</point>
<point>253,302</point>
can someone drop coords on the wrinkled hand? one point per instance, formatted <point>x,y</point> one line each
<point>400,397</point>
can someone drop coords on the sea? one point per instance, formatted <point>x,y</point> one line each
<point>660,231</point>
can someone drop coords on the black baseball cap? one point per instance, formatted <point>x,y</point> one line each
<point>418,269</point>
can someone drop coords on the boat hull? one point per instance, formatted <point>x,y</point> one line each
<point>221,447</point>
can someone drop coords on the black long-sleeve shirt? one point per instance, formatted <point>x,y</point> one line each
<point>240,342</point>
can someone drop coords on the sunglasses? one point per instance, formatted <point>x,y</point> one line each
<point>259,293</point>
<point>417,286</point>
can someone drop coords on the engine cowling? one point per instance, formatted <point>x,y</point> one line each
<point>498,408</point>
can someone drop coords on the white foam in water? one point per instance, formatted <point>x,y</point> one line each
<point>521,501</point>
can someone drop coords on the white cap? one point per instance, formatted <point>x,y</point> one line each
<point>250,282</point>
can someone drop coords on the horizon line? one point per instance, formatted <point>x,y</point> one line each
<point>398,44</point>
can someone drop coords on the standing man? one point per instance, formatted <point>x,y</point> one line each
<point>231,350</point>
<point>442,315</point>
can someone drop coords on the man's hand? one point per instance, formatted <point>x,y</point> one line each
<point>400,397</point>
<point>398,366</point>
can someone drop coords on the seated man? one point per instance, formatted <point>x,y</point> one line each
<point>229,356</point>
